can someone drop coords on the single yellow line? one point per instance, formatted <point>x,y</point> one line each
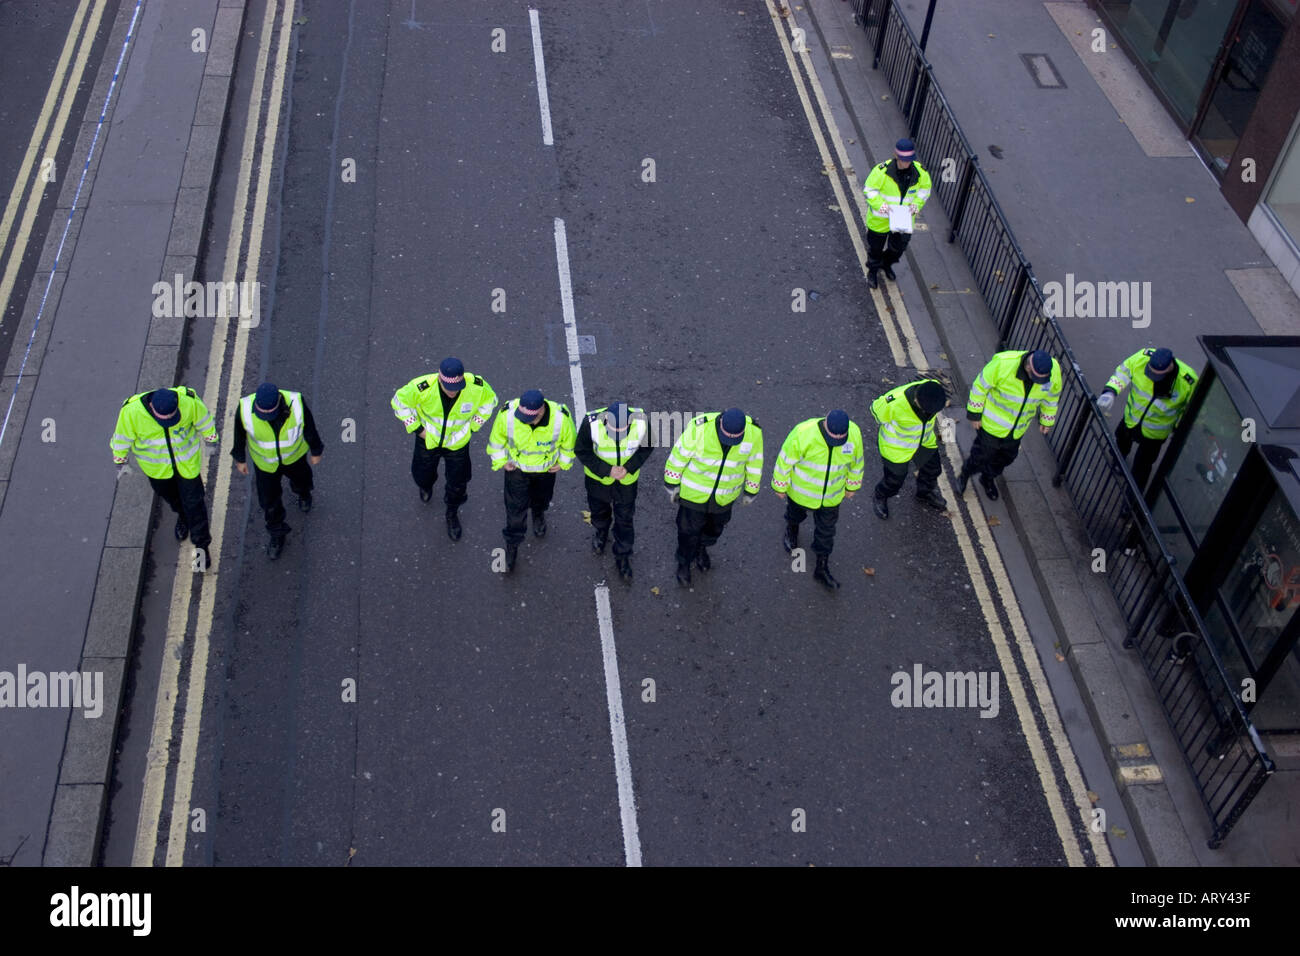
<point>193,720</point>
<point>155,779</point>
<point>1037,678</point>
<point>52,146</point>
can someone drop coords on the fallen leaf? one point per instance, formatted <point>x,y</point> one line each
<point>992,35</point>
<point>993,521</point>
<point>934,285</point>
<point>654,590</point>
<point>885,97</point>
<point>1117,831</point>
<point>301,21</point>
<point>1190,199</point>
<point>1060,659</point>
<point>586,517</point>
<point>869,572</point>
<point>352,851</point>
<point>1093,797</point>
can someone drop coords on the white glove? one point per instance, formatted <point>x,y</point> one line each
<point>123,469</point>
<point>673,493</point>
<point>1105,400</point>
<point>749,499</point>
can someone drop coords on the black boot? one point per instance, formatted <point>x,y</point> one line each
<point>889,273</point>
<point>624,565</point>
<point>426,496</point>
<point>304,503</point>
<point>182,529</point>
<point>539,524</point>
<point>598,542</point>
<point>512,553</point>
<point>702,560</point>
<point>453,525</point>
<point>791,539</point>
<point>823,572</point>
<point>873,279</point>
<point>275,546</point>
<point>990,488</point>
<point>880,506</point>
<point>933,499</point>
<point>683,572</point>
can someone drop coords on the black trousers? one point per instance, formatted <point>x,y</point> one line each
<point>270,491</point>
<point>616,503</point>
<point>1148,451</point>
<point>885,248</point>
<point>698,529</point>
<point>927,477</point>
<point>990,455</point>
<point>525,491</point>
<point>185,496</point>
<point>424,469</point>
<point>823,524</point>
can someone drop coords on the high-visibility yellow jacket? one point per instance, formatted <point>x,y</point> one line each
<point>881,188</point>
<point>1006,402</point>
<point>156,448</point>
<point>532,448</point>
<point>814,473</point>
<point>418,404</point>
<point>616,452</point>
<point>1158,416</point>
<point>703,468</point>
<point>901,430</point>
<point>268,449</point>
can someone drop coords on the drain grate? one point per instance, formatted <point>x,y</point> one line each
<point>1043,70</point>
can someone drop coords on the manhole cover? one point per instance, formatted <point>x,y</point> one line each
<point>1043,70</point>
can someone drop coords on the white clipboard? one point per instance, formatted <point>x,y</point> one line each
<point>900,218</point>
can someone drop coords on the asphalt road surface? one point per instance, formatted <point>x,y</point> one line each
<point>759,722</point>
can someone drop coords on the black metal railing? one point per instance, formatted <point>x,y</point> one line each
<point>1224,753</point>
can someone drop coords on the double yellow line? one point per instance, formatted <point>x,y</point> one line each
<point>907,350</point>
<point>161,739</point>
<point>65,82</point>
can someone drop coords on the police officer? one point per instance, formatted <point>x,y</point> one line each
<point>1162,385</point>
<point>531,439</point>
<point>907,417</point>
<point>820,464</point>
<point>715,455</point>
<point>443,419</point>
<point>901,180</point>
<point>612,446</point>
<point>1010,390</point>
<point>277,430</point>
<point>162,428</point>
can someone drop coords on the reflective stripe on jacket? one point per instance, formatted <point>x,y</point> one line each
<point>815,474</point>
<point>901,430</point>
<point>418,404</point>
<point>532,448</point>
<point>1006,402</point>
<point>139,433</point>
<point>881,188</point>
<point>698,463</point>
<point>267,449</point>
<point>616,452</point>
<point>1157,415</point>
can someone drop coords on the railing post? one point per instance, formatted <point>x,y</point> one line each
<point>918,103</point>
<point>1017,293</point>
<point>1071,446</point>
<point>880,36</point>
<point>963,194</point>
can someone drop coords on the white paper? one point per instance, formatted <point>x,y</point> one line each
<point>900,218</point>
